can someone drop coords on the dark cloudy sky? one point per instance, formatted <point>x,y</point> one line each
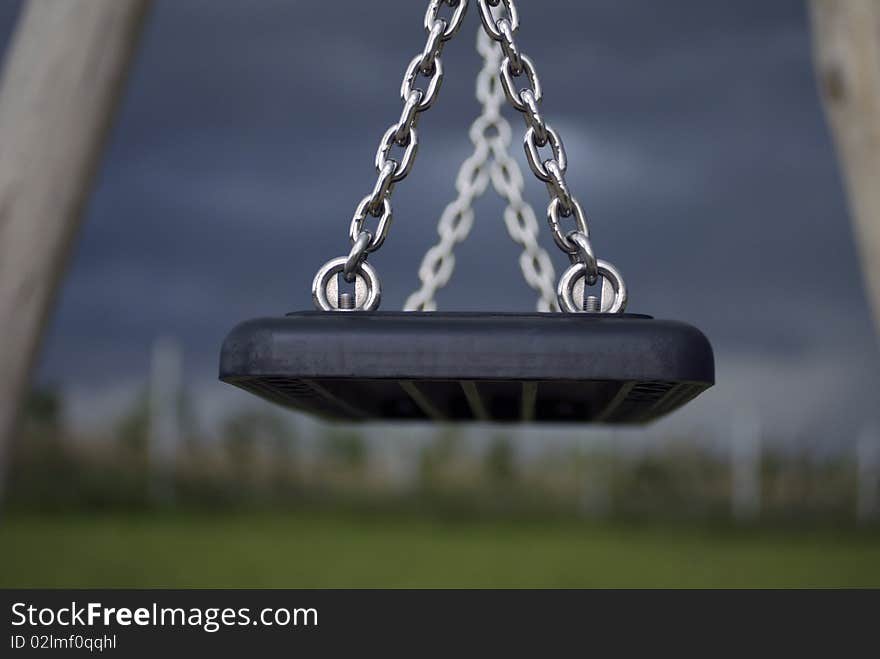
<point>696,144</point>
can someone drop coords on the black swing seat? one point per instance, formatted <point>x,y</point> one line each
<point>503,367</point>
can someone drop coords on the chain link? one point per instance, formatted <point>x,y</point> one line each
<point>490,23</point>
<point>358,223</point>
<point>393,169</point>
<point>491,161</point>
<point>453,25</point>
<point>514,97</point>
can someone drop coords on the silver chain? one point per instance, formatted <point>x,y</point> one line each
<point>491,161</point>
<point>500,20</point>
<point>490,135</point>
<point>391,169</point>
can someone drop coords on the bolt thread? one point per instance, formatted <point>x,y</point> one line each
<point>591,304</point>
<point>346,301</point>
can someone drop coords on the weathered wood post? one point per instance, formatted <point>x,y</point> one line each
<point>847,52</point>
<point>60,86</point>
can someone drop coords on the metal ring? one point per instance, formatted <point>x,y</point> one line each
<point>404,167</point>
<point>560,237</point>
<point>534,157</point>
<point>455,21</point>
<point>491,24</point>
<point>356,228</point>
<point>507,83</point>
<point>577,271</point>
<point>365,273</point>
<point>357,256</point>
<point>409,77</point>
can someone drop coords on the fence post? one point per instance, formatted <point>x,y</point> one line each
<point>745,467</point>
<point>164,425</point>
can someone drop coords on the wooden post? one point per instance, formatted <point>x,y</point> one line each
<point>60,86</point>
<point>847,52</point>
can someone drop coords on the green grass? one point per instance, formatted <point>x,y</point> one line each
<point>341,550</point>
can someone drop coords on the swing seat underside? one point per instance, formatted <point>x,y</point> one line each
<point>500,367</point>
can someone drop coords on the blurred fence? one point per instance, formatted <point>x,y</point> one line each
<point>262,460</point>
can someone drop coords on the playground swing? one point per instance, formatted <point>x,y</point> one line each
<point>578,358</point>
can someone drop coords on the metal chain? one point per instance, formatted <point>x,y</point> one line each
<point>391,170</point>
<point>490,133</point>
<point>491,136</point>
<point>500,20</point>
